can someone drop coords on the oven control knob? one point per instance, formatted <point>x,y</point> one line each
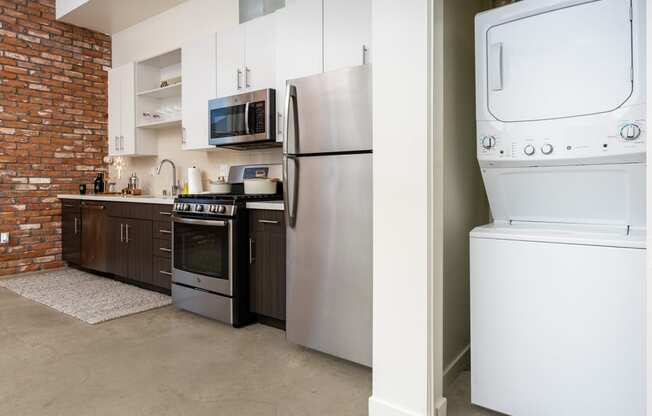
<point>199,207</point>
<point>529,150</point>
<point>547,149</point>
<point>630,131</point>
<point>221,209</point>
<point>186,207</point>
<point>488,142</point>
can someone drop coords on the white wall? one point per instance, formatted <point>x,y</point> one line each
<point>400,113</point>
<point>170,29</point>
<point>64,7</point>
<point>162,33</point>
<point>649,215</point>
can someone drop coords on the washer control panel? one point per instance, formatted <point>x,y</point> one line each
<point>559,140</point>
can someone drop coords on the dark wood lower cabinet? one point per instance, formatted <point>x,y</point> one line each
<point>267,265</point>
<point>118,238</point>
<point>94,248</point>
<point>131,249</point>
<point>71,231</point>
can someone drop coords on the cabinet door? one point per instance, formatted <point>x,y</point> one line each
<point>199,73</point>
<point>114,112</point>
<point>115,236</point>
<point>230,61</point>
<point>127,110</point>
<point>94,248</point>
<point>138,240</point>
<point>71,232</point>
<point>347,33</point>
<point>299,51</point>
<point>260,53</point>
<point>267,263</point>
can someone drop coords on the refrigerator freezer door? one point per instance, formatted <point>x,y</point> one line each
<point>329,112</point>
<point>329,255</point>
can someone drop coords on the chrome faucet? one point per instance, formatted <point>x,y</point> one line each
<point>175,187</point>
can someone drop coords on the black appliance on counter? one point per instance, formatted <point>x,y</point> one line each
<point>210,250</point>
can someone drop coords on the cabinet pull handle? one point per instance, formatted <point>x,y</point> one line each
<point>163,272</point>
<point>183,135</point>
<point>122,233</point>
<point>252,259</point>
<point>165,250</point>
<point>247,72</point>
<point>165,231</point>
<point>268,222</point>
<point>280,123</point>
<point>127,233</point>
<point>76,222</point>
<point>238,74</point>
<point>364,54</point>
<point>97,207</point>
<point>165,213</point>
<point>68,206</point>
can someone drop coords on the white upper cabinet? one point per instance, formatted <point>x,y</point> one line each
<point>123,138</point>
<point>347,33</point>
<point>199,74</point>
<point>246,57</point>
<point>260,53</point>
<point>231,61</point>
<point>299,51</point>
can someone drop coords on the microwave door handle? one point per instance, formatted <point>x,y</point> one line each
<point>246,117</point>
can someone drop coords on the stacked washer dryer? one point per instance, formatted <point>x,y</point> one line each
<point>558,279</point>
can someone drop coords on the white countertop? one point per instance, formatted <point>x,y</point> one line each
<point>270,205</point>
<point>143,199</point>
<point>153,199</point>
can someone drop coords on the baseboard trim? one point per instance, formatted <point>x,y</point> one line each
<point>378,407</point>
<point>461,363</point>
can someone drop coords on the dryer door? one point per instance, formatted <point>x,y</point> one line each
<point>567,62</point>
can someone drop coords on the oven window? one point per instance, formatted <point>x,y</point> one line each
<point>228,121</point>
<point>202,249</point>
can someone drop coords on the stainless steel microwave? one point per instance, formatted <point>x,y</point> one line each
<point>243,121</point>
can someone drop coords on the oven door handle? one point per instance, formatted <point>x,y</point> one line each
<point>212,223</point>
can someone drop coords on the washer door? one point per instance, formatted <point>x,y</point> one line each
<point>567,62</point>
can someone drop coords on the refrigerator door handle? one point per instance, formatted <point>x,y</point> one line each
<point>290,97</point>
<point>290,190</point>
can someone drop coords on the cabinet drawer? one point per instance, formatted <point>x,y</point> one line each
<point>133,210</point>
<point>70,203</point>
<point>162,230</point>
<point>162,272</point>
<point>266,220</point>
<point>163,248</point>
<point>160,212</point>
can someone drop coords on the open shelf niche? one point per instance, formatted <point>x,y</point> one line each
<point>158,92</point>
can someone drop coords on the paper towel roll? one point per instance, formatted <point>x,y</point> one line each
<point>194,181</point>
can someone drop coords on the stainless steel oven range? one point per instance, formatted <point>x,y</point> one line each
<point>210,250</point>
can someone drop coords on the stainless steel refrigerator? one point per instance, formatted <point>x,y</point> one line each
<point>327,164</point>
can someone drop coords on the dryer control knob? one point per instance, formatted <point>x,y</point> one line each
<point>630,131</point>
<point>488,142</point>
<point>529,150</point>
<point>547,149</point>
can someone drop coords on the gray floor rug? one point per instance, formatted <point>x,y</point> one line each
<point>87,297</point>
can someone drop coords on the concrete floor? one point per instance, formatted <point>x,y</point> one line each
<point>164,362</point>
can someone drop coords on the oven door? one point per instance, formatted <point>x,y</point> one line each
<point>244,118</point>
<point>203,254</point>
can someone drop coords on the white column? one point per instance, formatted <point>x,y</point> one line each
<point>400,114</point>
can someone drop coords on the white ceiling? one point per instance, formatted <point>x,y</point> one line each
<point>112,16</point>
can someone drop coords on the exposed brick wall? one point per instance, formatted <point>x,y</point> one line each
<point>53,121</point>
